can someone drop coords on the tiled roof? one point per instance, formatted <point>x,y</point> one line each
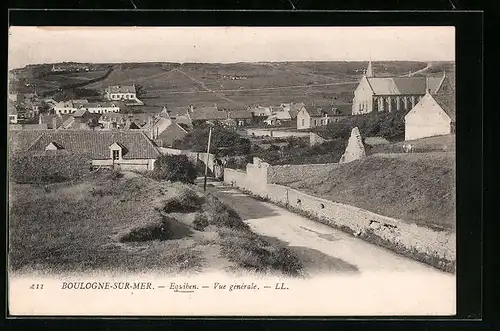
<point>20,140</point>
<point>121,89</point>
<point>80,112</point>
<point>320,112</point>
<point>112,117</point>
<point>171,134</point>
<point>100,104</point>
<point>404,85</point>
<point>447,103</point>
<point>96,143</point>
<point>208,113</point>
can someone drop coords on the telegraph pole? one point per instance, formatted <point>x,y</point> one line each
<point>206,160</point>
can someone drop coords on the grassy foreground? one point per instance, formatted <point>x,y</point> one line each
<point>108,222</point>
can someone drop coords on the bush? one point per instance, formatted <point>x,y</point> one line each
<point>175,168</point>
<point>200,222</point>
<point>222,215</point>
<point>188,201</point>
<point>157,230</point>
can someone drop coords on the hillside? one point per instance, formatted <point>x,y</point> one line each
<point>417,188</point>
<point>129,223</point>
<point>234,85</point>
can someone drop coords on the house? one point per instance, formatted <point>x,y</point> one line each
<point>127,94</point>
<point>179,114</point>
<point>110,121</point>
<point>80,120</point>
<point>394,93</point>
<point>125,150</point>
<point>53,121</point>
<point>101,107</point>
<point>170,135</point>
<point>312,118</point>
<point>240,117</point>
<point>12,113</point>
<point>68,107</point>
<point>260,111</point>
<point>433,115</point>
<point>294,109</point>
<point>203,114</point>
<point>71,106</point>
<point>156,125</point>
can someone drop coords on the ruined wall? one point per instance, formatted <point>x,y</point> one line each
<point>291,173</point>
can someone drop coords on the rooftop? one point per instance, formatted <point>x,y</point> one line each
<point>97,143</point>
<point>121,89</point>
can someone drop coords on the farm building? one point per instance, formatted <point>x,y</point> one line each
<point>394,93</point>
<point>307,119</point>
<point>432,116</point>
<point>126,150</point>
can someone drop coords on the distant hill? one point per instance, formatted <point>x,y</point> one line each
<point>236,85</point>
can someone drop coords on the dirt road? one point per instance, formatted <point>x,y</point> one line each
<point>320,247</point>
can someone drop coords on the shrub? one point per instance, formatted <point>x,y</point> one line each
<point>176,168</point>
<point>186,202</point>
<point>157,230</point>
<point>200,222</point>
<point>221,215</point>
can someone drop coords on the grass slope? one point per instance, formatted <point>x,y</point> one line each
<point>400,186</point>
<point>122,224</point>
<point>176,85</point>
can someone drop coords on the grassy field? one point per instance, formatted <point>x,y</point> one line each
<point>205,84</point>
<point>417,188</point>
<point>132,224</point>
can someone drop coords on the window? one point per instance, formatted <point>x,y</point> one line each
<point>116,154</point>
<point>303,122</point>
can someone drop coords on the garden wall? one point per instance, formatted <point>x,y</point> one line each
<point>294,172</point>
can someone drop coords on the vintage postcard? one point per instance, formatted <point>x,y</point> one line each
<point>231,171</point>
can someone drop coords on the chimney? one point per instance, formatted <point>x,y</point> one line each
<point>54,123</point>
<point>40,119</point>
<point>150,120</point>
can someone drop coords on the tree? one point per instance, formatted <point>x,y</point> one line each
<point>176,168</point>
<point>140,91</point>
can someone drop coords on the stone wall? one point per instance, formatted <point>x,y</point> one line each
<point>291,173</point>
<point>437,248</point>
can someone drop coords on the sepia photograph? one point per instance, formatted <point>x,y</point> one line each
<point>231,171</point>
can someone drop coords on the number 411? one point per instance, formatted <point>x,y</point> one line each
<point>36,287</point>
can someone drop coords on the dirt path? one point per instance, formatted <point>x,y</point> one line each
<point>321,248</point>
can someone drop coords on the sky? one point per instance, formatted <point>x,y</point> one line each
<point>35,45</point>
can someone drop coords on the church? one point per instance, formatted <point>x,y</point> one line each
<point>393,93</point>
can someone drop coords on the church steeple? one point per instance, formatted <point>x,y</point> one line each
<point>369,70</point>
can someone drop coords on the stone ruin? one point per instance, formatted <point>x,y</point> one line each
<point>355,148</point>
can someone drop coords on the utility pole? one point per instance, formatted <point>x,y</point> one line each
<point>206,160</point>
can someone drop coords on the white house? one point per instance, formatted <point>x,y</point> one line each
<point>312,118</point>
<point>431,116</point>
<point>69,107</point>
<point>127,94</point>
